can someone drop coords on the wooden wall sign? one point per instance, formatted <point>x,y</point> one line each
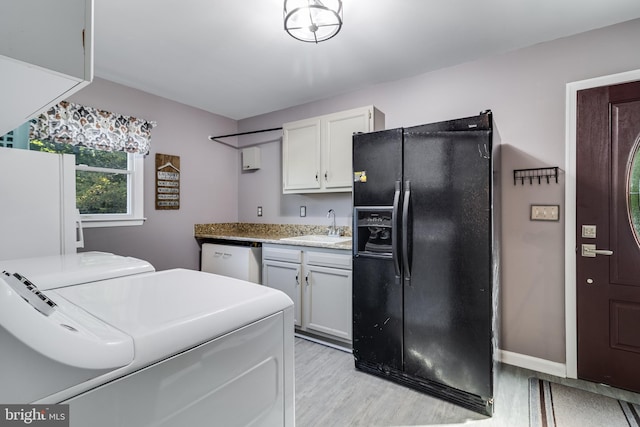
<point>167,182</point>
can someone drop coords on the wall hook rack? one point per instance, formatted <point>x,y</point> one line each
<point>537,174</point>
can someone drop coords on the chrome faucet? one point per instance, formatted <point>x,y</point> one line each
<point>333,230</point>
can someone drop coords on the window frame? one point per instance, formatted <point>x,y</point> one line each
<point>135,197</point>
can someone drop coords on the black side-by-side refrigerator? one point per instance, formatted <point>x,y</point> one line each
<point>424,258</point>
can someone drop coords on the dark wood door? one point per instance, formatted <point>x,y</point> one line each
<point>608,219</point>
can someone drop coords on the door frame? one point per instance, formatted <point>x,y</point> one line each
<point>572,88</point>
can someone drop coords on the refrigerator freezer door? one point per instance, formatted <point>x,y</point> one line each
<point>377,166</point>
<point>377,315</point>
<point>447,301</point>
<point>377,292</point>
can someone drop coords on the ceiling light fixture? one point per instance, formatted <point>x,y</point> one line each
<point>312,21</point>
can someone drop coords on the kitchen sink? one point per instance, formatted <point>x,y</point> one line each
<point>318,238</point>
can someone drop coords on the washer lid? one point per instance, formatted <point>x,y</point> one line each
<point>170,311</point>
<point>65,333</point>
<point>50,272</point>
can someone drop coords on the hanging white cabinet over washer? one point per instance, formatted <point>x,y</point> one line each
<point>46,54</point>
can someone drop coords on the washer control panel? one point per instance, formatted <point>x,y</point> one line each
<point>29,292</point>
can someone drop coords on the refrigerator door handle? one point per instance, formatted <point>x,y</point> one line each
<point>405,231</point>
<point>79,230</point>
<point>394,230</point>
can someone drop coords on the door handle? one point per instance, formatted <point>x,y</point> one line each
<point>405,231</point>
<point>590,251</point>
<point>394,231</point>
<point>79,232</point>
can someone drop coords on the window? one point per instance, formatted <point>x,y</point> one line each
<point>109,184</point>
<point>109,151</point>
<point>633,190</point>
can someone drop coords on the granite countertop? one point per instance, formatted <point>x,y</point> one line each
<point>267,233</point>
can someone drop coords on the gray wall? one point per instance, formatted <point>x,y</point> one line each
<point>526,91</point>
<point>208,181</point>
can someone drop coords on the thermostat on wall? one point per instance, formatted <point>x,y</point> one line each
<point>250,158</point>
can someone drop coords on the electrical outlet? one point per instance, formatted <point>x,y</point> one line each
<point>545,212</point>
<point>259,210</point>
<point>303,211</point>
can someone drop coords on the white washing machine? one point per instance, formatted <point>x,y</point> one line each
<point>169,348</point>
<point>56,271</point>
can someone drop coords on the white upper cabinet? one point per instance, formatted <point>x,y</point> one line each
<point>46,54</point>
<point>301,156</point>
<point>317,152</point>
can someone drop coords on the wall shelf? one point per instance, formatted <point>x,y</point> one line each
<point>535,174</point>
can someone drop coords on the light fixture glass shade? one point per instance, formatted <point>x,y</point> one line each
<point>312,21</point>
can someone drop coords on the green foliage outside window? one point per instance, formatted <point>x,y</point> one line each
<point>97,192</point>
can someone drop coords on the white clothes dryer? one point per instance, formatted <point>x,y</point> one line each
<point>169,348</point>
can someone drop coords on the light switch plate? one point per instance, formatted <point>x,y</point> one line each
<point>545,212</point>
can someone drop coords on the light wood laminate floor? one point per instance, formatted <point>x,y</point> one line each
<point>330,392</point>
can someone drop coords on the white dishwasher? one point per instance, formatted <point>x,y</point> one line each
<point>241,262</point>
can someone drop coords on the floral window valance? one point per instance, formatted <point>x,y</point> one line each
<point>74,124</point>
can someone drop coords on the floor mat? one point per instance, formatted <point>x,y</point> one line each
<point>556,405</point>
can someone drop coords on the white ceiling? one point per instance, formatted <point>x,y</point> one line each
<point>233,57</point>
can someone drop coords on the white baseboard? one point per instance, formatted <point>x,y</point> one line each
<point>533,363</point>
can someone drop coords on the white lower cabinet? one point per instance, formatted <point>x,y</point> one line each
<point>285,276</point>
<point>318,281</point>
<point>327,301</point>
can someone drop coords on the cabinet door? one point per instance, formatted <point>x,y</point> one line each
<point>337,133</point>
<point>49,34</point>
<point>301,156</point>
<point>285,277</point>
<point>56,37</point>
<point>328,301</point>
